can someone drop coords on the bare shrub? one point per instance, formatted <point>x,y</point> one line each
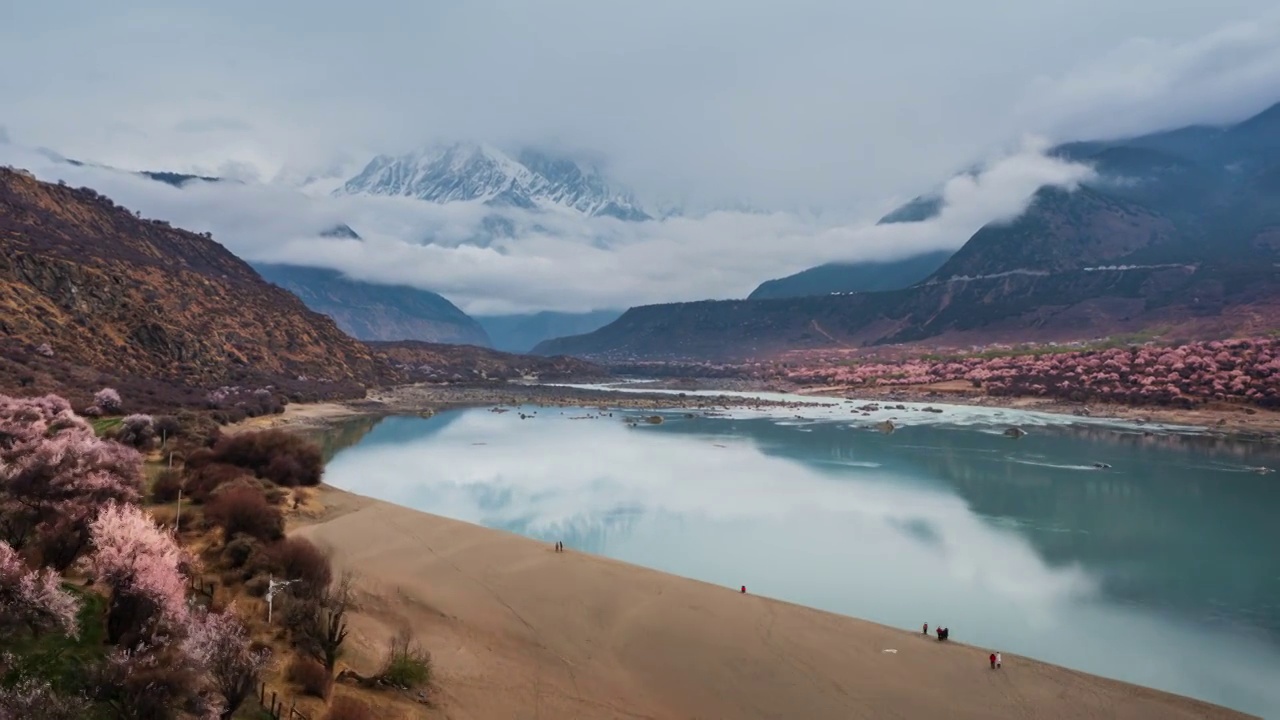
<point>299,559</point>
<point>277,495</point>
<point>348,708</point>
<point>407,665</point>
<point>239,549</point>
<point>136,431</point>
<point>166,487</point>
<point>244,510</point>
<point>256,586</point>
<point>320,625</point>
<point>310,675</point>
<point>207,479</point>
<point>168,427</point>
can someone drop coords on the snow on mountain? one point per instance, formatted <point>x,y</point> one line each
<point>473,172</point>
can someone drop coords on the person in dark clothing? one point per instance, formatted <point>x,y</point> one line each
<point>926,628</point>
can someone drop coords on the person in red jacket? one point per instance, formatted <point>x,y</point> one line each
<point>993,661</point>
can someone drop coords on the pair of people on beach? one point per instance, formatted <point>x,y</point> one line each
<point>559,546</point>
<point>943,633</point>
<point>995,660</point>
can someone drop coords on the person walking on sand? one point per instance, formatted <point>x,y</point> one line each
<point>992,657</point>
<point>997,659</point>
<point>926,629</point>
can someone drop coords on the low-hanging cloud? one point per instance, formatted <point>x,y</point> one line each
<point>809,104</point>
<point>688,109</point>
<point>556,260</point>
<point>1149,84</point>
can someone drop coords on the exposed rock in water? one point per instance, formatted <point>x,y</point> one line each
<point>654,419</point>
<point>1014,432</point>
<point>886,427</point>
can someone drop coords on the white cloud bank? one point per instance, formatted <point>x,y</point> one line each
<point>717,104</point>
<point>555,261</point>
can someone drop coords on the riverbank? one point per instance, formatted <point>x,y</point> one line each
<point>517,630</point>
<point>1225,421</point>
<point>419,399</point>
<point>1230,420</point>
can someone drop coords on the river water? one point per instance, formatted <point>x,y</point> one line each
<point>1161,569</point>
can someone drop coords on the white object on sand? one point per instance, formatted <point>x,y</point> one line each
<point>889,650</point>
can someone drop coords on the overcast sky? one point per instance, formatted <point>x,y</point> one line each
<point>827,104</point>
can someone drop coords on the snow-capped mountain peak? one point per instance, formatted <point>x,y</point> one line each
<point>476,172</point>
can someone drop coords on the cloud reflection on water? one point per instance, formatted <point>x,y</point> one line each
<point>867,537</point>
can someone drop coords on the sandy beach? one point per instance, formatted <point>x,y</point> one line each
<point>520,631</point>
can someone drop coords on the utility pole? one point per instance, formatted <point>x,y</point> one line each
<point>273,586</point>
<point>177,523</point>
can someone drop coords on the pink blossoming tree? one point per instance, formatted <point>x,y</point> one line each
<point>33,599</point>
<point>218,643</point>
<point>107,399</point>
<point>140,563</point>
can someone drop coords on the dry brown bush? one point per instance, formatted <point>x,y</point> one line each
<point>310,675</point>
<point>244,510</point>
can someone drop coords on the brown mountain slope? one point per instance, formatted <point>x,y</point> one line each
<point>90,294</point>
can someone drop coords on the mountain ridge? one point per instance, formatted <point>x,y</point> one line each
<point>1181,229</point>
<point>377,311</point>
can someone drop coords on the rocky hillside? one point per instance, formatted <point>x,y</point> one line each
<point>428,362</point>
<point>370,311</point>
<point>1180,232</point>
<point>93,295</point>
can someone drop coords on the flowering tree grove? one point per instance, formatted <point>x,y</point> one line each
<point>54,475</point>
<point>1244,370</point>
<point>66,496</point>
